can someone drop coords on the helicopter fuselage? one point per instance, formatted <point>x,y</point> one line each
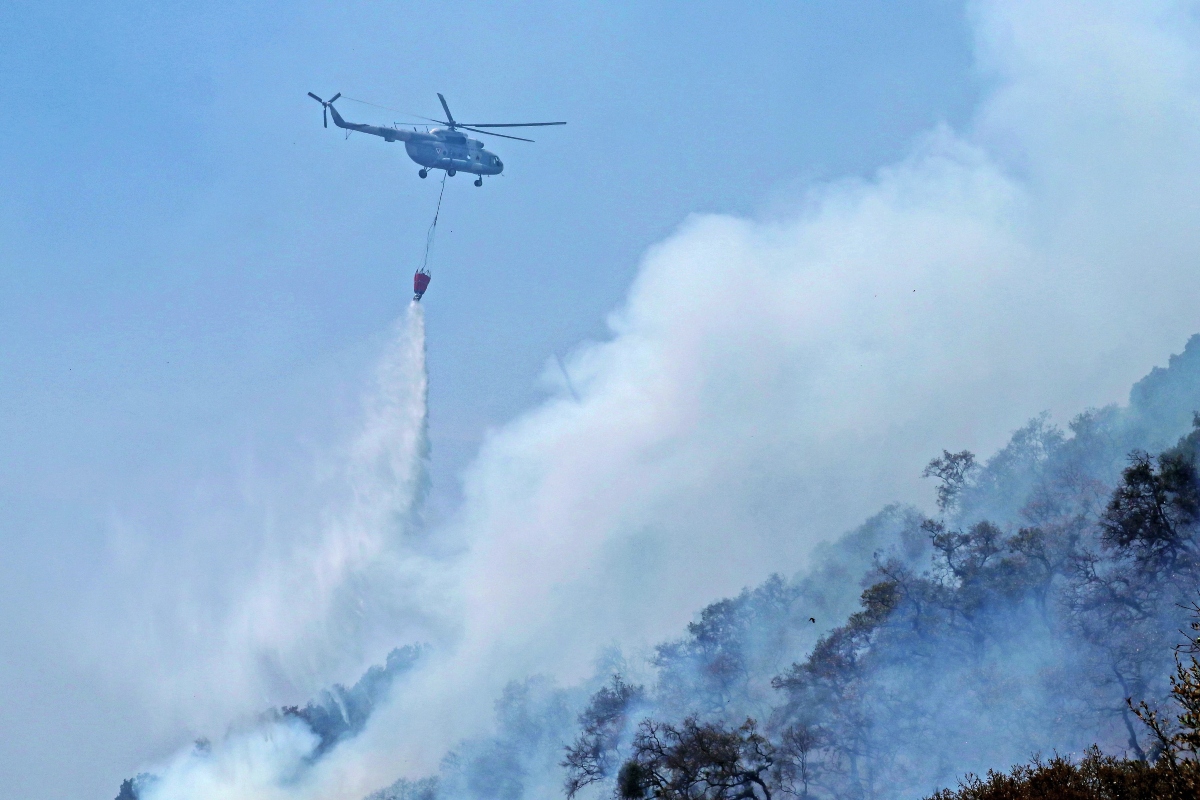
<point>443,148</point>
<point>440,148</point>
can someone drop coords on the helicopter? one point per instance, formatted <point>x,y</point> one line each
<point>444,148</point>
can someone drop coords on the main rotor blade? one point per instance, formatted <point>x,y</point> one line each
<point>314,97</point>
<point>509,124</point>
<point>325,117</point>
<point>335,97</point>
<point>449,116</point>
<point>397,110</point>
<point>489,133</point>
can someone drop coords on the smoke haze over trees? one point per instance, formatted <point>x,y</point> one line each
<point>1051,589</point>
<point>1047,592</point>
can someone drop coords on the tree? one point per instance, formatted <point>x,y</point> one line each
<point>1095,777</point>
<point>1154,510</point>
<point>710,663</point>
<point>833,682</point>
<point>797,767</point>
<point>1174,775</point>
<point>1185,688</point>
<point>596,749</point>
<point>1181,740</point>
<point>132,788</point>
<point>1124,597</point>
<point>980,570</point>
<point>340,713</point>
<point>954,470</point>
<point>697,762</point>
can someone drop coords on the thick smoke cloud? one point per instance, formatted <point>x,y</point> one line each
<point>771,383</point>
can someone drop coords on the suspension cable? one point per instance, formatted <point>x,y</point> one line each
<point>433,226</point>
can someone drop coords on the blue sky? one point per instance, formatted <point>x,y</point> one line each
<point>195,276</point>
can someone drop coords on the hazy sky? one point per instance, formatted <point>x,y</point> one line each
<point>196,280</point>
<point>185,247</point>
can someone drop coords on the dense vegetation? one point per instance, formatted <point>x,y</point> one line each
<point>1053,629</point>
<point>711,762</point>
<point>1037,612</point>
<point>1172,772</point>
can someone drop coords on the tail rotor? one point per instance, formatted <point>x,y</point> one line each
<point>325,104</point>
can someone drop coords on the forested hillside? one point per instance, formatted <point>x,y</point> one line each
<point>1033,612</point>
<point>1050,586</point>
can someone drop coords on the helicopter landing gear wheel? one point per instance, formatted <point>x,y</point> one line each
<point>451,172</point>
<point>479,181</point>
<point>424,173</point>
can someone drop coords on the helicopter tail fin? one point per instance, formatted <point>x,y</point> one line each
<point>333,112</point>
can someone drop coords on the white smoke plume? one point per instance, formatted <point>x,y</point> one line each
<point>770,383</point>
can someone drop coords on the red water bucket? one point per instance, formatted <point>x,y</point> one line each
<point>420,284</point>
